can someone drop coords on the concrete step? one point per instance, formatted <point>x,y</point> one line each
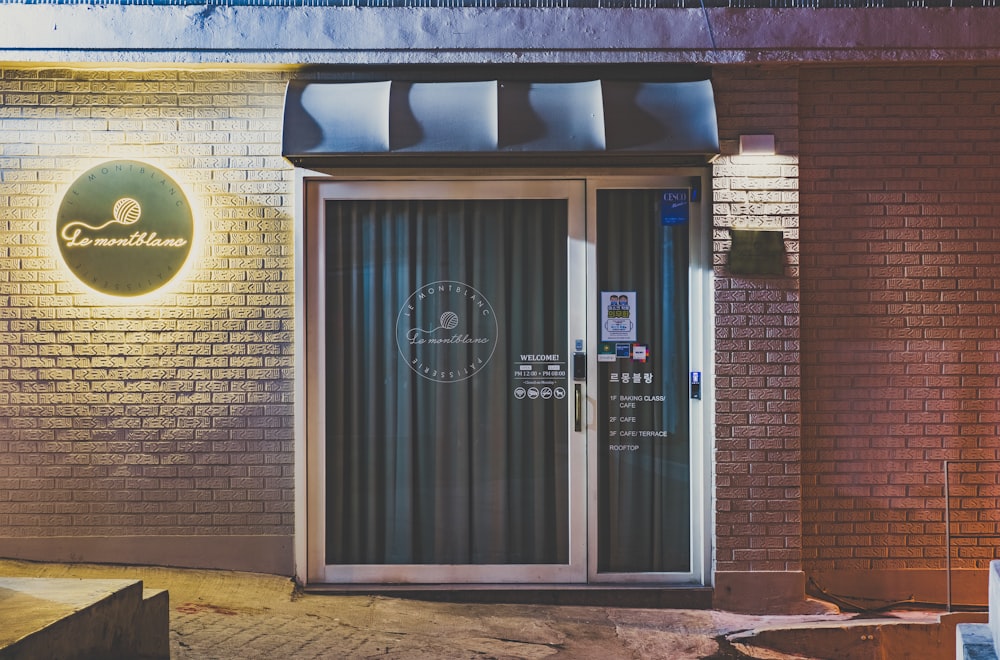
<point>901,635</point>
<point>73,619</point>
<point>982,641</point>
<point>974,641</point>
<point>610,595</point>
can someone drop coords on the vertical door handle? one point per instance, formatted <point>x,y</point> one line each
<point>578,404</point>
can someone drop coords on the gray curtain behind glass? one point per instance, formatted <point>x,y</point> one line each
<point>426,472</point>
<point>644,503</point>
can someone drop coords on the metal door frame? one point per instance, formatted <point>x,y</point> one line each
<point>318,191</point>
<point>582,567</point>
<point>701,332</point>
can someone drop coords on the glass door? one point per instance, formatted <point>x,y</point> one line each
<point>445,444</point>
<point>646,453</point>
<point>503,383</point>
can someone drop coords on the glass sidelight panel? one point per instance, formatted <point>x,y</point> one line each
<point>643,449</point>
<point>446,408</point>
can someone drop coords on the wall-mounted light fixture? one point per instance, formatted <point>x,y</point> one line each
<point>757,145</point>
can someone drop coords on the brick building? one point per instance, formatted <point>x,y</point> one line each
<point>224,419</point>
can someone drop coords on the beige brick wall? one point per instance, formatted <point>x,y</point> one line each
<point>173,416</point>
<point>757,444</point>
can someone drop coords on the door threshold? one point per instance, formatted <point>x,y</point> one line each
<point>689,597</point>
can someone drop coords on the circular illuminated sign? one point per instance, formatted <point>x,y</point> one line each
<point>125,228</point>
<point>446,331</point>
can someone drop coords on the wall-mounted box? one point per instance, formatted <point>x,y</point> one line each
<point>757,252</point>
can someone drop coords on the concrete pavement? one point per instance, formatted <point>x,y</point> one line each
<point>224,615</point>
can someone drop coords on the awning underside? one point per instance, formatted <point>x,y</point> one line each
<point>326,123</point>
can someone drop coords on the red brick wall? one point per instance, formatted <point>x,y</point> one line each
<point>900,279</point>
<point>757,453</point>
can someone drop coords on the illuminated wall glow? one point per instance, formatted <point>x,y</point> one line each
<point>756,191</point>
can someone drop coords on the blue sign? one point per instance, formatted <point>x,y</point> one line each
<point>674,207</point>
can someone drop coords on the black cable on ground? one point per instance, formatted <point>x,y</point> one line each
<point>851,604</point>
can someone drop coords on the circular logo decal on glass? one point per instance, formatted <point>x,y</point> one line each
<point>446,331</point>
<point>124,228</point>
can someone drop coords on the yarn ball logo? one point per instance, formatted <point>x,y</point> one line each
<point>446,331</point>
<point>124,228</point>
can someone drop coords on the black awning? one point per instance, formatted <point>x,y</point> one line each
<point>495,122</point>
